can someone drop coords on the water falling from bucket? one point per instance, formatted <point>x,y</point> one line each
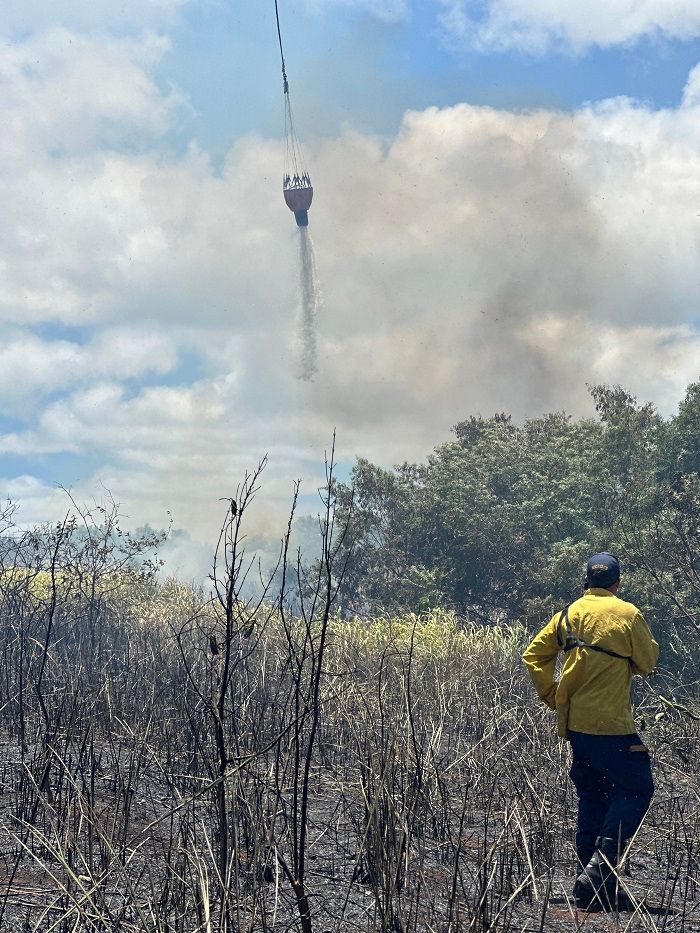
<point>310,304</point>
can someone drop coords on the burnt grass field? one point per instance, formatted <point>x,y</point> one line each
<point>174,760</point>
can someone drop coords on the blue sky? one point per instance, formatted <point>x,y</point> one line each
<point>348,67</point>
<point>504,212</point>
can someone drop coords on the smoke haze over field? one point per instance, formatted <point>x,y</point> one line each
<point>479,259</point>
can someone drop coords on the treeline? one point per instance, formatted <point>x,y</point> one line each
<point>498,522</point>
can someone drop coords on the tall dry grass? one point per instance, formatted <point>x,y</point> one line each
<point>438,797</point>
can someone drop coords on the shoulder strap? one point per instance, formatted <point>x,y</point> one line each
<point>563,622</point>
<point>568,640</point>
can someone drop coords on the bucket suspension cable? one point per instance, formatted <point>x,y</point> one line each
<point>279,37</point>
<point>292,161</point>
<point>296,183</point>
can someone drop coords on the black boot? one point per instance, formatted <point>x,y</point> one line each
<point>596,888</point>
<point>584,853</point>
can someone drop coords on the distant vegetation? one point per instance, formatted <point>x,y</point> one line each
<point>356,747</point>
<point>497,523</point>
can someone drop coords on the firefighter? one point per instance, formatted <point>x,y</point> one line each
<point>605,641</point>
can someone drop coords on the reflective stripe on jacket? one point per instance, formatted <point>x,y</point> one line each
<point>593,691</point>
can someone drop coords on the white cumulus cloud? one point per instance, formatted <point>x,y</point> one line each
<point>481,260</point>
<point>536,25</point>
<point>32,367</point>
<point>72,217</point>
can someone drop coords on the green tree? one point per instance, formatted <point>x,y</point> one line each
<point>498,522</point>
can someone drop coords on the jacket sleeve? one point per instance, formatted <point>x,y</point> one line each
<point>645,650</point>
<point>540,658</point>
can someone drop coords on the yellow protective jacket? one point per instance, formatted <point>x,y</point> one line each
<point>593,691</point>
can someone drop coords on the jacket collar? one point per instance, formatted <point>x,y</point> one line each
<point>598,591</point>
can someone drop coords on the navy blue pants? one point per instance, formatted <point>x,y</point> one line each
<point>612,776</point>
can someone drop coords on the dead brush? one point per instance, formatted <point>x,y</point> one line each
<point>311,773</point>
